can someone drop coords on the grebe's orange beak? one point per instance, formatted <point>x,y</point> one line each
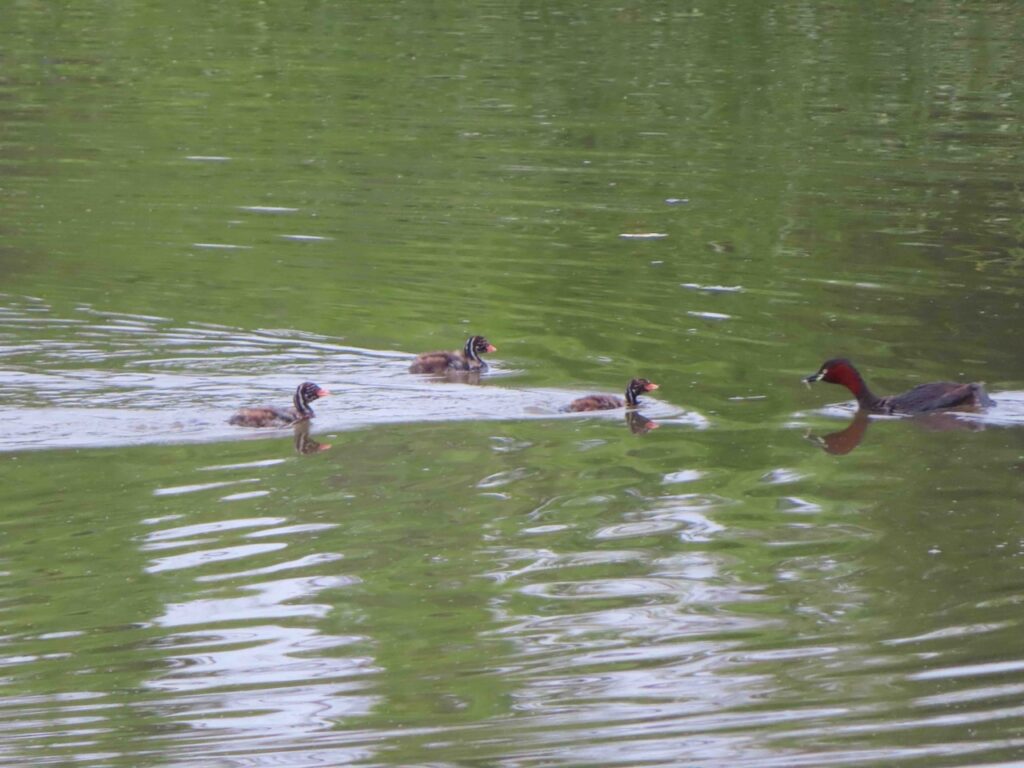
<point>651,386</point>
<point>322,393</point>
<point>491,348</point>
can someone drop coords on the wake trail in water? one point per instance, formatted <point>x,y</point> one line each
<point>108,379</point>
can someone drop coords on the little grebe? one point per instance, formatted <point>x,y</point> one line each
<point>924,397</point>
<point>305,393</point>
<point>607,402</point>
<point>465,359</point>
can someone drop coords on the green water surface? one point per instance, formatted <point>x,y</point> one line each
<point>202,206</point>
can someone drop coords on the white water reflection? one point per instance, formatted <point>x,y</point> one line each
<point>655,676</point>
<point>269,687</point>
<point>240,656</point>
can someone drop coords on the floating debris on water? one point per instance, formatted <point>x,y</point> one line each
<point>713,288</point>
<point>682,476</point>
<point>710,315</point>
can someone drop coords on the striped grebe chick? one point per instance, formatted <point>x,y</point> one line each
<point>608,402</point>
<point>305,393</point>
<point>465,359</point>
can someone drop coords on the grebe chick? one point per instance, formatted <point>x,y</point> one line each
<point>305,393</point>
<point>466,359</point>
<point>608,402</point>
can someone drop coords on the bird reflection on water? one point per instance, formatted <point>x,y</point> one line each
<point>304,443</point>
<point>638,423</point>
<point>846,440</point>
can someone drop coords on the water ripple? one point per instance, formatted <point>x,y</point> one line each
<point>199,557</point>
<point>271,601</point>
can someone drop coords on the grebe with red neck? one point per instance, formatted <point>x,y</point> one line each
<point>933,396</point>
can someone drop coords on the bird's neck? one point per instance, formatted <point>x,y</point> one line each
<point>301,406</point>
<point>854,382</point>
<point>631,395</point>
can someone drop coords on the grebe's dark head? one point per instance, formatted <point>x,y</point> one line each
<point>637,387</point>
<point>478,345</point>
<point>838,370</point>
<point>305,394</point>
